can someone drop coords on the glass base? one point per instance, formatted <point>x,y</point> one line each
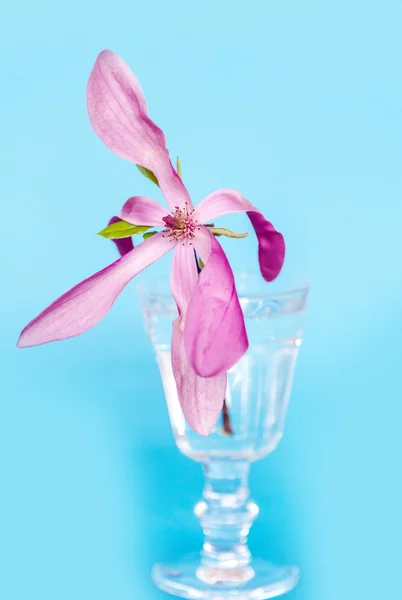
<point>190,579</point>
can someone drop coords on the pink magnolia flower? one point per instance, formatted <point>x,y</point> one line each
<point>209,335</point>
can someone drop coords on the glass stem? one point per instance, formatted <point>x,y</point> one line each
<point>226,514</point>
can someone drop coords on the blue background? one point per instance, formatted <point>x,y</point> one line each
<point>296,104</point>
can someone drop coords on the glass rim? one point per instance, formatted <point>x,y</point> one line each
<point>145,288</point>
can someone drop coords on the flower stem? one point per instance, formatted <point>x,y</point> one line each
<point>197,263</point>
<point>227,425</point>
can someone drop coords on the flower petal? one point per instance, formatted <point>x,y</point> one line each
<point>87,303</point>
<point>140,210</point>
<point>271,245</point>
<point>201,398</point>
<point>123,245</point>
<point>118,113</point>
<point>184,275</point>
<point>214,335</point>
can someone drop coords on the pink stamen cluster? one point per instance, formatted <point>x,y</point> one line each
<point>180,225</point>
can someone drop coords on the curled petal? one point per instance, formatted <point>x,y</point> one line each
<point>140,210</point>
<point>118,114</point>
<point>184,275</point>
<point>123,245</point>
<point>201,398</point>
<point>271,245</point>
<point>87,303</point>
<point>214,334</point>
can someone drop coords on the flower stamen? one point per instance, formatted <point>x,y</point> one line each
<point>180,225</point>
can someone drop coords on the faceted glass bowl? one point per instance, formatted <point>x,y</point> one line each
<point>257,397</point>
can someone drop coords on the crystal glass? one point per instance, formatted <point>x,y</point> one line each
<point>250,427</point>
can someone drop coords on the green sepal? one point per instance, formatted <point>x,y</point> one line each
<point>149,234</point>
<point>218,231</point>
<point>122,229</point>
<point>200,263</point>
<point>148,174</point>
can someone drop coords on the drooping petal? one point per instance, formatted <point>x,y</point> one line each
<point>184,275</point>
<point>118,114</point>
<point>271,245</point>
<point>214,335</point>
<point>87,303</point>
<point>123,245</point>
<point>201,398</point>
<point>140,210</point>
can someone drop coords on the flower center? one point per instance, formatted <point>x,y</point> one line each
<point>180,225</point>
